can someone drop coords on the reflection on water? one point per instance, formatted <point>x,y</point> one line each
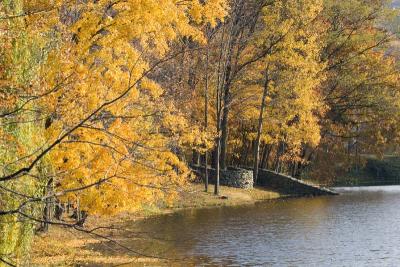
<point>358,228</point>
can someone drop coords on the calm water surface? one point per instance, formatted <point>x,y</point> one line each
<point>358,228</point>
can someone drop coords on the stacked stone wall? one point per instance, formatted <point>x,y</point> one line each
<point>243,178</point>
<point>288,185</point>
<point>233,177</point>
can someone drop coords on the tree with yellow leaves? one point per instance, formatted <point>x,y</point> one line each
<point>111,137</point>
<point>361,89</point>
<point>293,51</point>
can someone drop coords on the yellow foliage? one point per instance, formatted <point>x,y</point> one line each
<point>124,151</point>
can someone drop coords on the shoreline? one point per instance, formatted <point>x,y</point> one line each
<point>77,247</point>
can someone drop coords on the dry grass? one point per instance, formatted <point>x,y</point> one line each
<point>195,197</point>
<point>62,246</point>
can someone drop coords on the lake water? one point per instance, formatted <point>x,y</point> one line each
<point>360,227</point>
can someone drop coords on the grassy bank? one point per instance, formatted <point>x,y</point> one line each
<point>62,246</point>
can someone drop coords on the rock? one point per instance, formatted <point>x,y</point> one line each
<point>233,177</point>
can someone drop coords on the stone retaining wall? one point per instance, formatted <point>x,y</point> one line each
<point>243,178</point>
<point>289,185</point>
<point>233,177</point>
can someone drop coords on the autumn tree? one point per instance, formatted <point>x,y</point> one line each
<point>22,51</point>
<point>292,43</point>
<point>110,135</point>
<point>361,87</point>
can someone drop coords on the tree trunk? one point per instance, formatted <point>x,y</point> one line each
<point>225,117</point>
<point>267,153</point>
<point>68,204</point>
<point>206,123</point>
<point>216,186</point>
<point>259,130</point>
<point>218,150</point>
<point>47,212</point>
<point>78,210</point>
<point>196,158</point>
<point>246,153</point>
<point>277,158</point>
<point>226,84</point>
<point>243,154</point>
<point>295,168</point>
<point>218,144</point>
<point>205,172</point>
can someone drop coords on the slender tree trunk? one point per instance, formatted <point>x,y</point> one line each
<point>248,151</point>
<point>226,83</point>
<point>243,154</point>
<point>265,158</point>
<point>218,141</point>
<point>78,210</point>
<point>295,167</point>
<point>259,130</point>
<point>278,155</point>
<point>281,153</point>
<point>47,213</point>
<point>220,80</point>
<point>216,187</point>
<point>357,152</point>
<point>224,126</point>
<point>306,156</point>
<point>196,158</point>
<point>218,146</point>
<point>68,205</point>
<point>206,123</point>
<point>213,156</point>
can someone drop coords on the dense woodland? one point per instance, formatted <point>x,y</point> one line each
<point>106,103</point>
